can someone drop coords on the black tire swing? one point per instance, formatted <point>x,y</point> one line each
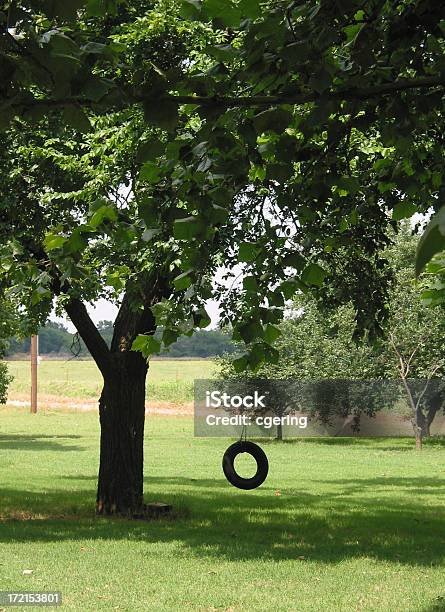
<point>228,465</point>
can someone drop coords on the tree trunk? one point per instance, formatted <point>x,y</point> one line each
<point>279,432</point>
<point>420,426</point>
<point>122,418</point>
<point>426,432</point>
<point>122,402</point>
<point>418,439</point>
<point>434,404</point>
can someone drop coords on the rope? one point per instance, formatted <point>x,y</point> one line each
<point>243,434</point>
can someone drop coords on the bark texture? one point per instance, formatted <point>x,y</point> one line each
<point>122,417</point>
<point>121,404</point>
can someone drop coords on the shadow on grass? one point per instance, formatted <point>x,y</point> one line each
<point>223,522</point>
<point>31,442</point>
<point>438,605</point>
<point>419,486</point>
<point>407,443</point>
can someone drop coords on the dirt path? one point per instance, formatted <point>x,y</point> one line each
<point>56,402</point>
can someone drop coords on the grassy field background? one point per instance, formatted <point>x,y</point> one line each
<point>168,380</point>
<point>337,526</point>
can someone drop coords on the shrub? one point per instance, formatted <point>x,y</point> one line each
<point>5,379</point>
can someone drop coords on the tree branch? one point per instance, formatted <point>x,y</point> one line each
<point>89,333</point>
<point>251,101</point>
<point>131,322</point>
<point>428,380</point>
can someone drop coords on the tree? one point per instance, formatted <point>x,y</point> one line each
<point>421,422</point>
<point>416,341</point>
<point>276,139</point>
<point>316,342</point>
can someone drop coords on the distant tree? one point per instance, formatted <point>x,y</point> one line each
<point>415,351</point>
<point>315,344</point>
<point>53,338</point>
<point>204,343</point>
<point>8,324</point>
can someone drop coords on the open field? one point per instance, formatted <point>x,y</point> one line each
<point>168,380</point>
<point>338,525</point>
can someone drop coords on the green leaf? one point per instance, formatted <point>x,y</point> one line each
<point>147,210</point>
<point>53,242</point>
<point>271,355</point>
<point>313,274</point>
<point>275,298</point>
<point>250,8</point>
<point>256,356</point>
<point>225,11</point>
<point>169,336</point>
<point>191,9</point>
<point>294,260</point>
<point>95,88</point>
<point>273,120</point>
<point>436,179</point>
<point>403,210</point>
<point>183,281</point>
<point>432,241</point>
<point>289,288</point>
<point>76,242</point>
<point>114,280</point>
<point>147,345</point>
<point>150,172</point>
<point>94,48</point>
<point>161,311</point>
<point>352,31</point>
<point>201,318</point>
<point>101,8</point>
<point>148,151</point>
<point>297,52</point>
<point>61,45</point>
<point>39,294</point>
<point>250,331</point>
<point>247,252</point>
<point>348,185</point>
<point>250,284</point>
<point>218,214</point>
<point>188,228</point>
<point>240,364</point>
<point>163,114</point>
<point>271,333</point>
<point>76,117</point>
<point>222,53</point>
<point>103,213</point>
<point>321,80</point>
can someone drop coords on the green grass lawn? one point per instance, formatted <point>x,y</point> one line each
<point>167,380</point>
<point>338,525</point>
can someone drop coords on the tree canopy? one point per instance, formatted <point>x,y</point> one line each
<point>276,137</point>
